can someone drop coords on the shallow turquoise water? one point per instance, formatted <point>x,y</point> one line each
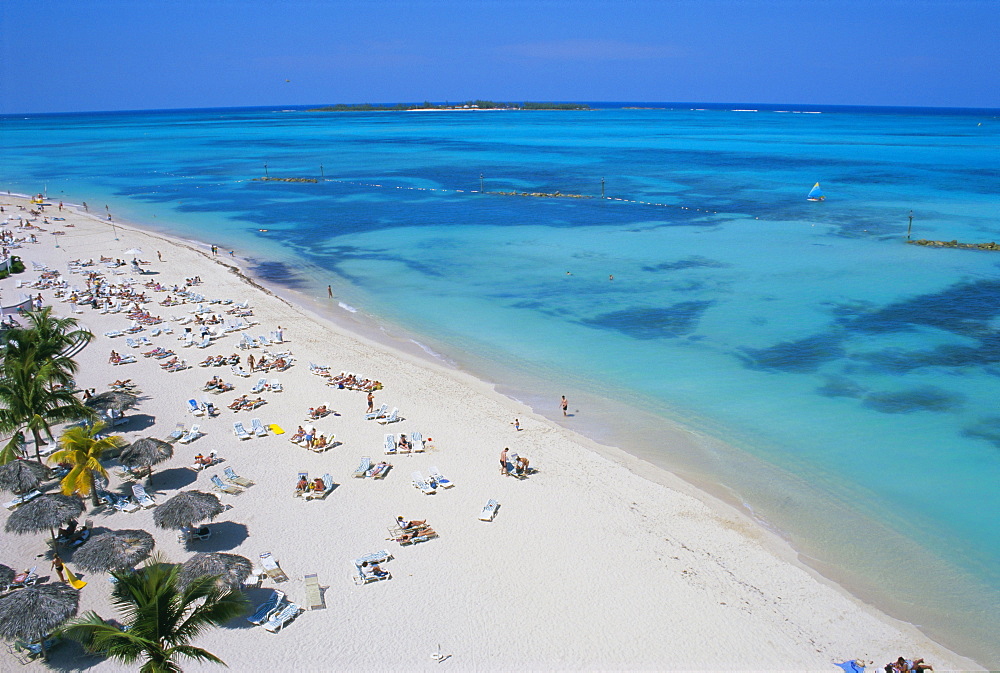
<point>853,378</point>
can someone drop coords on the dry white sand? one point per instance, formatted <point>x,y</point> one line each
<point>587,565</point>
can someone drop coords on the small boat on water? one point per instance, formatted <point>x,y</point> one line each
<point>815,194</point>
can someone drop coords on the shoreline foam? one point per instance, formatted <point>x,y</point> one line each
<point>720,514</point>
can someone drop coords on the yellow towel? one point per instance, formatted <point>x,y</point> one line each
<point>74,582</point>
<point>276,429</point>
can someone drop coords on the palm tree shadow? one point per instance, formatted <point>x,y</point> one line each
<point>70,655</point>
<point>255,596</point>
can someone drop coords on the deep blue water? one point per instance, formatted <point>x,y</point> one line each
<point>852,379</point>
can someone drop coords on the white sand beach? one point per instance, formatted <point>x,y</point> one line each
<point>587,565</point>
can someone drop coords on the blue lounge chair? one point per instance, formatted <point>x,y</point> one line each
<point>267,609</point>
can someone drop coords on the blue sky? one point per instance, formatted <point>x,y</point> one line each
<point>120,55</point>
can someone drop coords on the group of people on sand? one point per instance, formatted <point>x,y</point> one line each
<point>318,412</point>
<point>409,530</point>
<point>902,665</point>
<point>305,485</point>
<point>519,463</point>
<point>217,385</point>
<point>244,403</point>
<point>309,439</point>
<point>201,461</point>
<point>350,381</point>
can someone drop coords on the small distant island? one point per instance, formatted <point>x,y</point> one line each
<point>468,105</point>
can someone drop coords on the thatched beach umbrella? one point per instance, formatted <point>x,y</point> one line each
<point>44,512</point>
<point>7,575</point>
<point>33,612</point>
<point>232,569</point>
<point>20,476</point>
<point>116,549</point>
<point>187,508</point>
<point>113,399</point>
<point>147,451</point>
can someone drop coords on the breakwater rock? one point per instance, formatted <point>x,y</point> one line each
<point>955,244</point>
<point>270,179</point>
<point>546,195</point>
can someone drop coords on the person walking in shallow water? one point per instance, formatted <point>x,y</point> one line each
<point>564,404</point>
<point>329,291</point>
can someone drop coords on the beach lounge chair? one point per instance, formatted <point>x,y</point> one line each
<point>391,418</point>
<point>237,479</point>
<point>276,386</point>
<point>142,497</point>
<point>206,341</point>
<point>366,464</point>
<point>219,485</point>
<point>272,568</point>
<point>177,433</point>
<point>113,334</point>
<point>422,484</point>
<point>439,478</point>
<point>378,413</point>
<point>364,573</point>
<point>314,594</point>
<point>489,510</point>
<point>239,371</point>
<point>131,343</point>
<point>240,431</point>
<point>379,471</point>
<point>259,388</point>
<point>390,444</point>
<point>186,534</point>
<point>258,428</point>
<point>279,620</point>
<point>195,408</point>
<point>268,608</point>
<point>327,487</point>
<point>21,499</point>
<point>247,342</point>
<point>192,434</point>
<point>416,442</point>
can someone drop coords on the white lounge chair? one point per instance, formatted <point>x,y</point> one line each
<point>237,479</point>
<point>378,413</point>
<point>192,434</point>
<point>314,594</point>
<point>272,568</point>
<point>366,464</point>
<point>422,484</point>
<point>439,478</point>
<point>142,497</point>
<point>276,386</point>
<point>416,442</point>
<point>195,409</point>
<point>268,608</point>
<point>219,485</point>
<point>21,499</point>
<point>239,371</point>
<point>206,341</point>
<point>131,343</point>
<point>240,431</point>
<point>391,418</point>
<point>279,620</point>
<point>258,428</point>
<point>259,388</point>
<point>489,510</point>
<point>177,433</point>
<point>390,444</point>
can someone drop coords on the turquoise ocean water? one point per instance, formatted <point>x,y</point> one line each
<point>844,384</point>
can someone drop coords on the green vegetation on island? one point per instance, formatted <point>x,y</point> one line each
<point>468,105</point>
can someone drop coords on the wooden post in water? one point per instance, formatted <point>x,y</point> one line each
<point>321,173</point>
<point>909,226</point>
<point>265,171</point>
<point>602,188</point>
<point>481,183</point>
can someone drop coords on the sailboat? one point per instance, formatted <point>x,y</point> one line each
<point>815,194</point>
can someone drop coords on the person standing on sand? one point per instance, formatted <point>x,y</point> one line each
<point>329,291</point>
<point>250,362</point>
<point>371,401</point>
<point>159,256</point>
<point>564,404</point>
<point>57,565</point>
<point>517,425</point>
<point>503,462</point>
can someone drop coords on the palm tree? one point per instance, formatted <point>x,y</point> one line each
<point>30,403</point>
<point>82,450</point>
<point>159,619</point>
<point>35,379</point>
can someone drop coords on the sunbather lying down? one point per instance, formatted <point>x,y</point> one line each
<point>409,524</point>
<point>424,533</point>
